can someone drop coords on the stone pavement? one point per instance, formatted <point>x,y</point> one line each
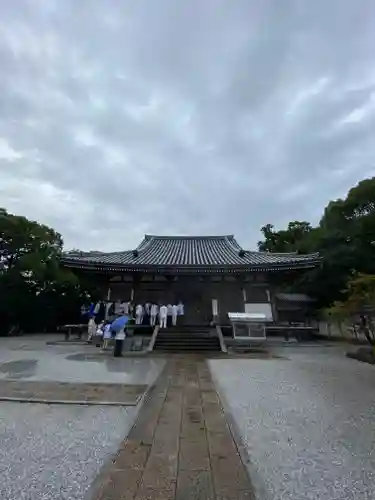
<point>180,447</point>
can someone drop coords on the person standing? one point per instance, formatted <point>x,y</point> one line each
<point>181,312</point>
<point>107,335</point>
<point>91,329</point>
<point>139,314</point>
<point>119,342</point>
<point>169,315</point>
<point>99,334</point>
<point>163,313</point>
<point>174,314</point>
<point>153,314</point>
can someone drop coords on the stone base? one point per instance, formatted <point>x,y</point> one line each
<point>365,354</point>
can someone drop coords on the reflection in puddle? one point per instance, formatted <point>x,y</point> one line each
<point>81,356</point>
<point>22,368</point>
<point>80,367</point>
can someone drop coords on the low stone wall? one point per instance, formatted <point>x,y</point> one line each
<point>365,354</point>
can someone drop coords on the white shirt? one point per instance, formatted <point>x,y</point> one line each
<point>180,309</point>
<point>96,308</point>
<point>169,309</point>
<point>118,307</point>
<point>125,307</point>
<point>154,310</point>
<point>139,310</point>
<point>107,307</point>
<point>163,311</point>
<point>120,335</point>
<point>92,326</point>
<point>174,310</point>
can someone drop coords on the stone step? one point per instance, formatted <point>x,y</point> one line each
<point>176,342</point>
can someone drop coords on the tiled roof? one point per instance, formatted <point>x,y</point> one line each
<point>189,252</point>
<point>294,297</point>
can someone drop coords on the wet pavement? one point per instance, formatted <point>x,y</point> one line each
<point>39,362</point>
<point>307,422</point>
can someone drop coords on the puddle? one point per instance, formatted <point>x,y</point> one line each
<point>80,367</point>
<point>22,368</point>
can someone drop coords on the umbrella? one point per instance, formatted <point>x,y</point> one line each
<point>119,323</point>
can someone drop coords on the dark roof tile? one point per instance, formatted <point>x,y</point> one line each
<point>189,251</point>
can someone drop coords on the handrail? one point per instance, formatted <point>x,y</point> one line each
<point>223,347</point>
<point>150,347</point>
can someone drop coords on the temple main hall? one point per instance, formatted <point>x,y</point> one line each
<point>210,275</point>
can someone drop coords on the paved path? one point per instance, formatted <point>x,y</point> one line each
<point>180,446</point>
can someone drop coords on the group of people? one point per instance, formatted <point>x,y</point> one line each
<point>102,330</point>
<point>151,313</point>
<point>102,315</point>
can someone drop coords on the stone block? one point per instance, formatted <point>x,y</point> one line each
<point>194,485</point>
<point>193,455</point>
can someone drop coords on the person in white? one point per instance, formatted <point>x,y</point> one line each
<point>107,308</point>
<point>153,314</point>
<point>118,307</point>
<point>169,315</point>
<point>120,335</point>
<point>99,333</point>
<point>91,329</point>
<point>125,308</point>
<point>139,314</point>
<point>107,335</point>
<point>181,309</point>
<point>174,314</point>
<point>163,312</point>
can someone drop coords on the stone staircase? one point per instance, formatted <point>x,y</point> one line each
<point>186,340</point>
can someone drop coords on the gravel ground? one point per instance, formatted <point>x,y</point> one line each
<point>54,452</point>
<point>307,423</point>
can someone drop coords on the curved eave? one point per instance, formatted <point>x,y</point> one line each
<point>93,266</point>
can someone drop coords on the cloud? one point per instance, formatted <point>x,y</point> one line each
<point>124,118</point>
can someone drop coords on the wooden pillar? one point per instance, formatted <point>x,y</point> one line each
<point>133,293</point>
<point>106,306</point>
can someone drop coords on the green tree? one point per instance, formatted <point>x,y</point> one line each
<point>345,239</point>
<point>291,239</point>
<point>359,300</point>
<point>35,292</point>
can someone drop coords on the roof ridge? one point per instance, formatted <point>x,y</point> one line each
<point>183,237</point>
<point>95,253</point>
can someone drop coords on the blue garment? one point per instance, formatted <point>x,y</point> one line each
<point>91,310</point>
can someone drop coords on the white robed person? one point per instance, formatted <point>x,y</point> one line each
<point>181,312</point>
<point>153,314</point>
<point>174,314</point>
<point>139,314</point>
<point>169,315</point>
<point>91,329</point>
<point>163,313</point>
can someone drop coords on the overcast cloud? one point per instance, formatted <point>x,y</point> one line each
<point>119,118</point>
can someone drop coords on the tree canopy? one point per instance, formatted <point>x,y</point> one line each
<point>36,292</point>
<point>344,237</point>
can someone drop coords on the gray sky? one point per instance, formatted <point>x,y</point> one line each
<point>125,117</point>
